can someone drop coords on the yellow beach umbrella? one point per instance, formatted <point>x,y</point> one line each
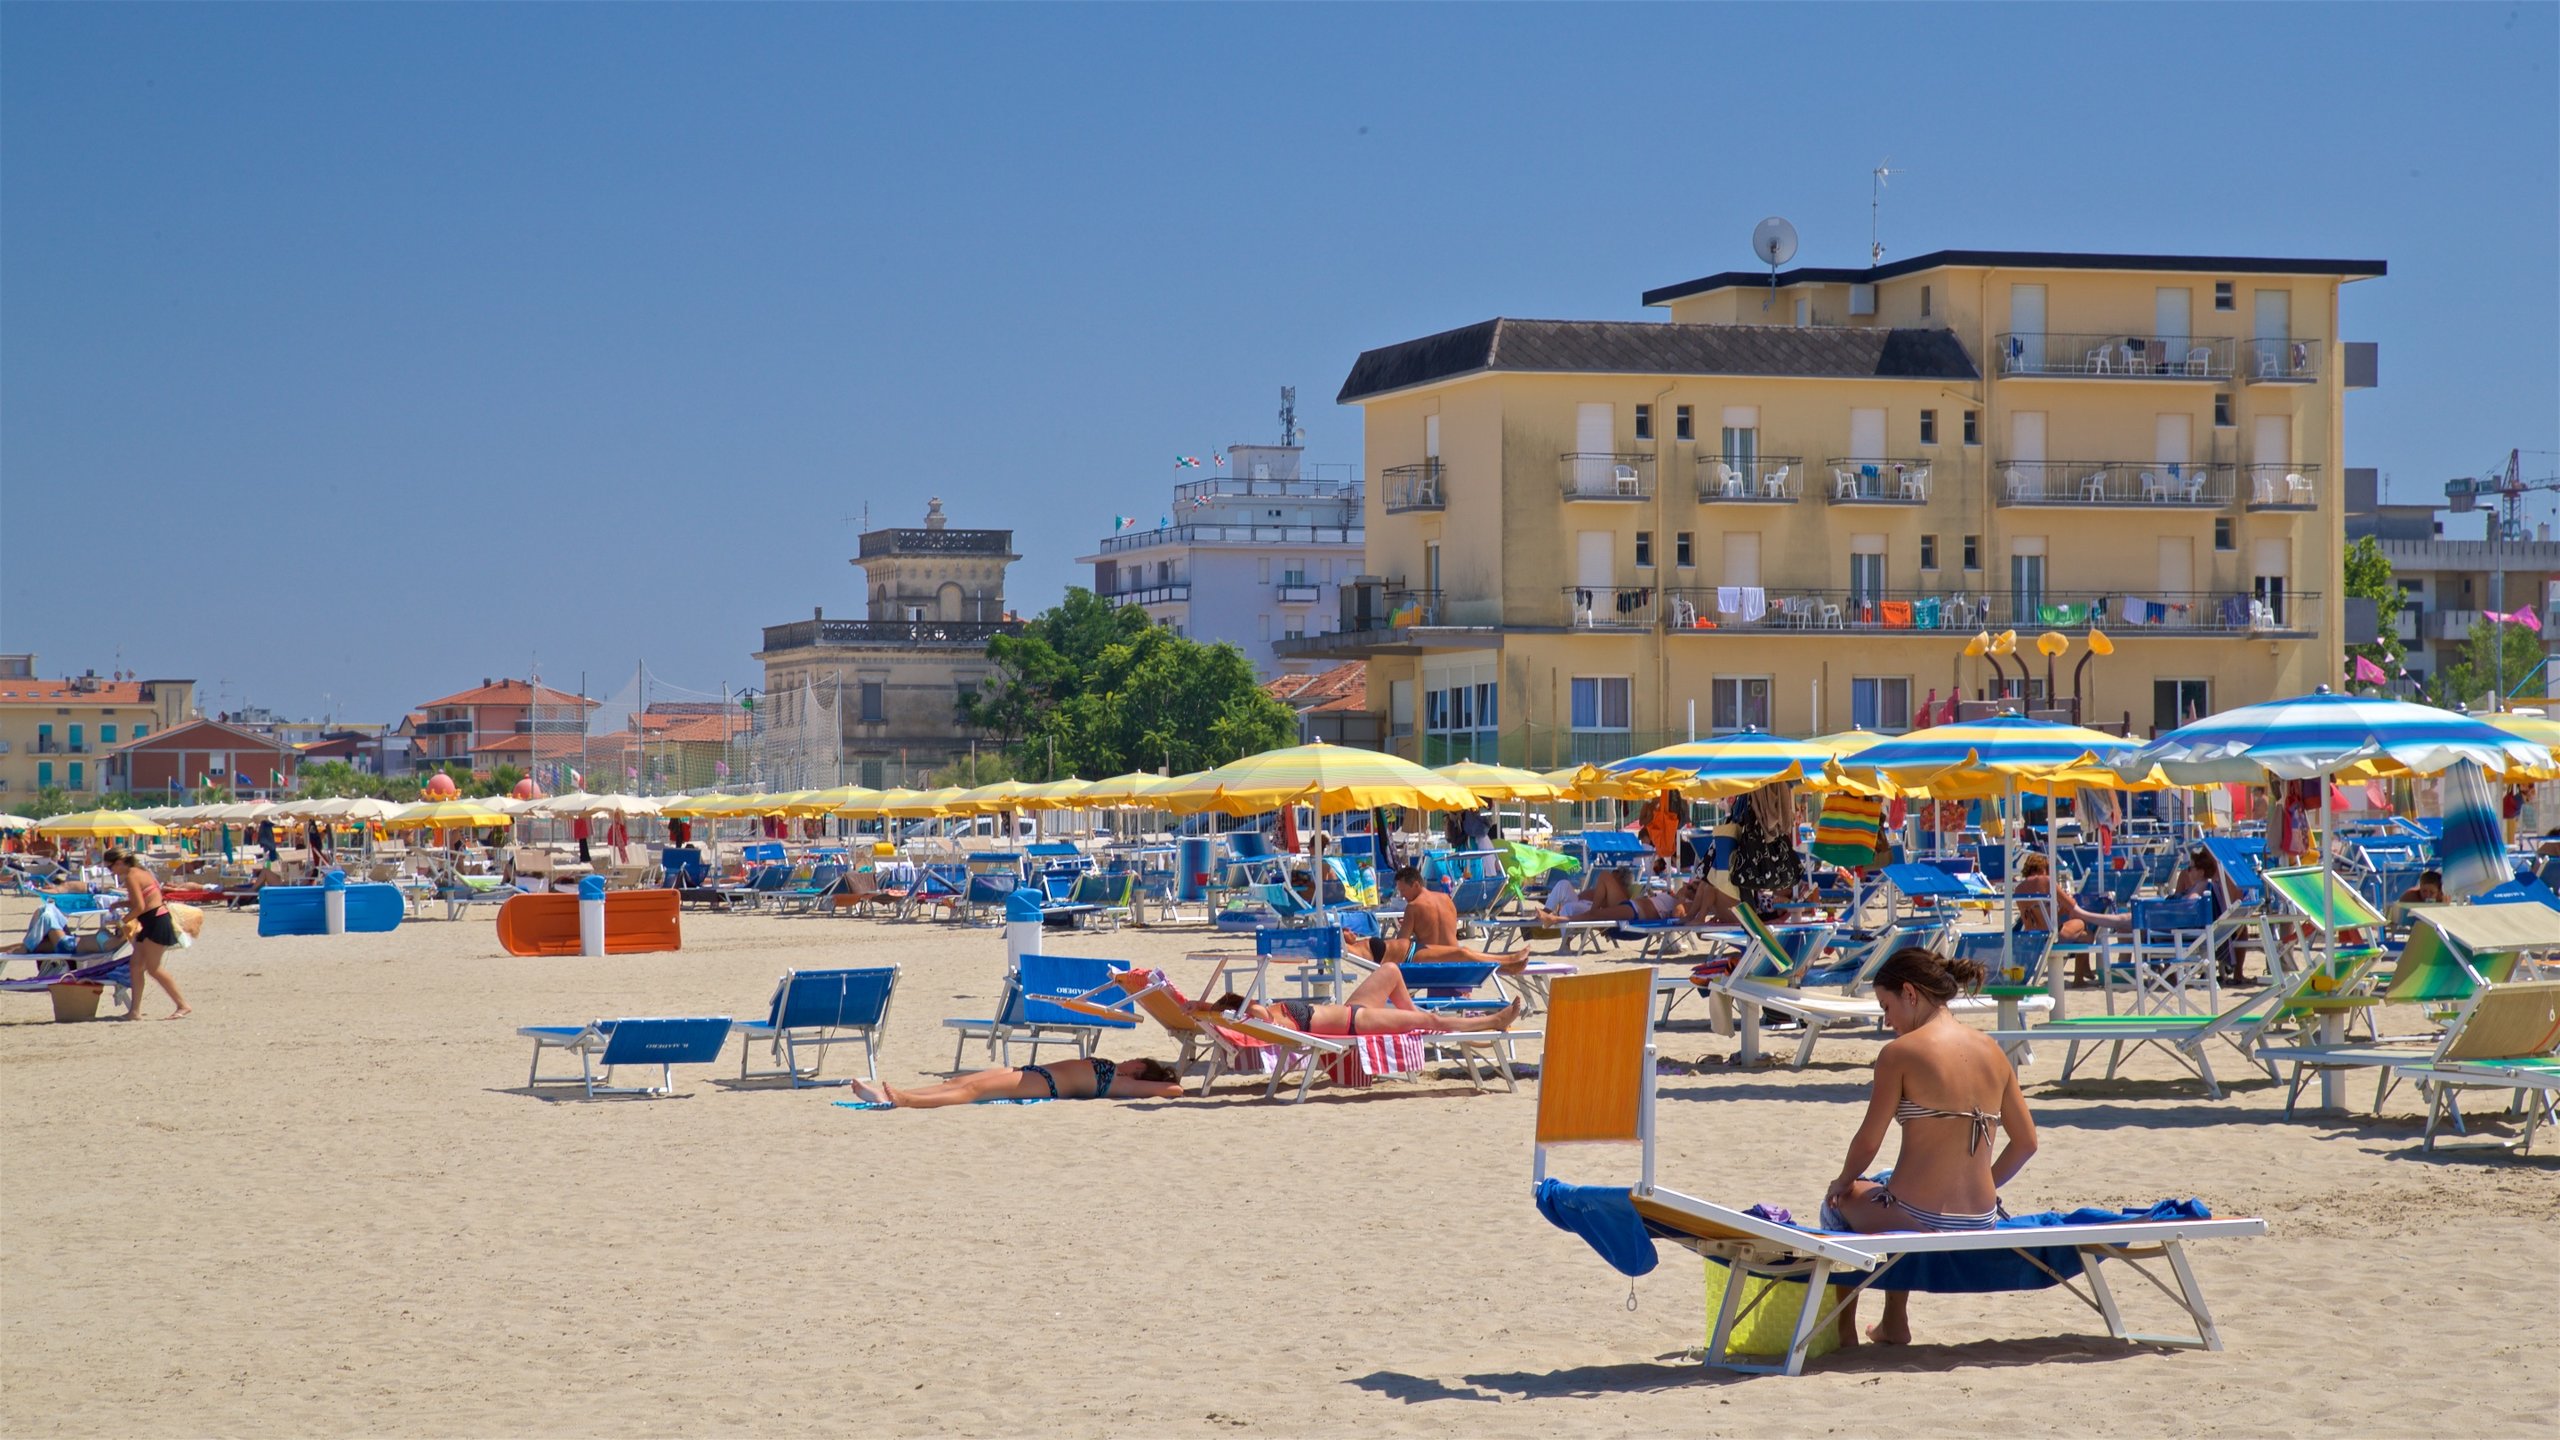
<point>2541,730</point>
<point>990,798</point>
<point>99,824</point>
<point>449,815</point>
<point>1182,793</point>
<point>1500,782</point>
<point>844,800</point>
<point>1120,790</point>
<point>1590,782</point>
<point>917,804</point>
<point>1067,794</point>
<point>1330,778</point>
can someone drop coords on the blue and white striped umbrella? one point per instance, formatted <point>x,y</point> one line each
<point>2321,734</point>
<point>1986,757</point>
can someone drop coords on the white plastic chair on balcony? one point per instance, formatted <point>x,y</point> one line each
<point>2155,486</point>
<point>1915,485</point>
<point>1624,477</point>
<point>2297,489</point>
<point>1728,480</point>
<point>1844,484</point>
<point>2020,487</point>
<point>2093,486</point>
<point>2270,363</point>
<point>2200,360</point>
<point>2262,486</point>
<point>1775,482</point>
<point>1829,618</point>
<point>1684,614</point>
<point>2262,616</point>
<point>2098,361</point>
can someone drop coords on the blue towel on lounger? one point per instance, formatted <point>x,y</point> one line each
<point>1605,1217</point>
<point>1982,1272</point>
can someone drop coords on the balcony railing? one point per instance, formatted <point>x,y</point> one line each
<point>1614,607</point>
<point>1152,594</point>
<point>2114,482</point>
<point>1299,592</point>
<point>937,542</point>
<point>1338,481</point>
<point>1399,609</point>
<point>1415,487</point>
<point>1232,535</point>
<point>1604,476</point>
<point>2115,355</point>
<point>1764,480</point>
<point>968,634</point>
<point>2295,361</point>
<point>2282,487</point>
<point>1955,613</point>
<point>1864,480</point>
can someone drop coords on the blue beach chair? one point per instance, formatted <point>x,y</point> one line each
<point>604,1044</point>
<point>813,1009</point>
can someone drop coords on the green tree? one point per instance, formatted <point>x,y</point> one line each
<point>1106,691</point>
<point>2495,659</point>
<point>2368,577</point>
<point>984,768</point>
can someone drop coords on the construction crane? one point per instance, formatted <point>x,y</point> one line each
<point>2509,485</point>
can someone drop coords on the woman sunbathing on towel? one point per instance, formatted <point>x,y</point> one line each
<point>1406,950</point>
<point>1949,1087</point>
<point>1061,1080</point>
<point>1379,1005</point>
<point>1608,898</point>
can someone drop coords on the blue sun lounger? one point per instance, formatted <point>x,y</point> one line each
<point>813,1009</point>
<point>603,1044</point>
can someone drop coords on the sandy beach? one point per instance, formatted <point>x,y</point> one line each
<point>327,1205</point>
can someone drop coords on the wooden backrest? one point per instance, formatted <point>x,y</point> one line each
<point>1592,1077</point>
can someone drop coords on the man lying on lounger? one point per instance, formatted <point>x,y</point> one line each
<point>1059,1080</point>
<point>1608,897</point>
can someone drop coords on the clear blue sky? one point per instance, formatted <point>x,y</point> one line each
<point>349,354</point>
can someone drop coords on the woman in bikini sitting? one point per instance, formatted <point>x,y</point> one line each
<point>1379,1005</point>
<point>2035,888</point>
<point>1063,1080</point>
<point>1949,1087</point>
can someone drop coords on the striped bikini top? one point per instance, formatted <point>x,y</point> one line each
<point>1910,1110</point>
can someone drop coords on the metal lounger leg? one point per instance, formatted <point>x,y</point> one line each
<point>1817,1284</point>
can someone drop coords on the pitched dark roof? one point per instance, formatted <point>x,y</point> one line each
<point>1645,347</point>
<point>2022,260</point>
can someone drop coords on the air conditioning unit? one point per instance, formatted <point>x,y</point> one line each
<point>1862,299</point>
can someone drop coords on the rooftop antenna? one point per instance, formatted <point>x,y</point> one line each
<point>1875,207</point>
<point>1290,434</point>
<point>1774,241</point>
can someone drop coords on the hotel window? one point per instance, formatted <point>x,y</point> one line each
<point>1461,722</point>
<point>44,738</point>
<point>76,782</point>
<point>1644,422</point>
<point>44,774</point>
<point>1644,549</point>
<point>2175,702</point>
<point>1293,627</point>
<point>141,730</point>
<point>76,737</point>
<point>1973,552</point>
<point>1739,701</point>
<point>1866,571</point>
<point>1880,702</point>
<point>1928,552</point>
<point>1973,427</point>
<point>1928,427</point>
<point>875,702</point>
<point>2222,533</point>
<point>2222,295</point>
<point>872,774</point>
<point>1684,550</point>
<point>1924,302</point>
<point>1602,718</point>
<point>1684,423</point>
<point>2026,576</point>
<point>2222,411</point>
<point>106,734</point>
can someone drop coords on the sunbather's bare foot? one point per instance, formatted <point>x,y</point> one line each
<point>870,1092</point>
<point>1885,1332</point>
<point>133,1014</point>
<point>181,1015</point>
<point>1499,1020</point>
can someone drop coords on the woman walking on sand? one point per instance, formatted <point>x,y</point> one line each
<point>157,932</point>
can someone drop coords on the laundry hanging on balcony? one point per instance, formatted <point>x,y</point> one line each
<point>2055,615</point>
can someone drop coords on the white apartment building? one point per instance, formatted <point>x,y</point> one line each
<point>1254,555</point>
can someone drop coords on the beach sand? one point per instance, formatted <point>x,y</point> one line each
<point>328,1206</point>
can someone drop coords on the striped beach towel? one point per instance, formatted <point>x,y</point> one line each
<point>2473,850</point>
<point>1850,830</point>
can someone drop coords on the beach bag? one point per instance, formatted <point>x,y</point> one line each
<point>1849,830</point>
<point>1768,1319</point>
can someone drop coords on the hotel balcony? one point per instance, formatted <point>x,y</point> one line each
<point>1415,487</point>
<point>1762,480</point>
<point>903,634</point>
<point>1955,615</point>
<point>1186,535</point>
<point>2295,362</point>
<point>1298,590</point>
<point>2112,355</point>
<point>2154,484</point>
<point>1607,477</point>
<point>1170,594</point>
<point>2282,487</point>
<point>1611,607</point>
<point>1862,480</point>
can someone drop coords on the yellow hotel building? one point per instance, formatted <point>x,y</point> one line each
<point>1791,505</point>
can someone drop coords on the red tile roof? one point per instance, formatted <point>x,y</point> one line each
<point>511,692</point>
<point>239,738</point>
<point>1344,687</point>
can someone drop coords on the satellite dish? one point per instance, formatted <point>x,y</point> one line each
<point>1774,241</point>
